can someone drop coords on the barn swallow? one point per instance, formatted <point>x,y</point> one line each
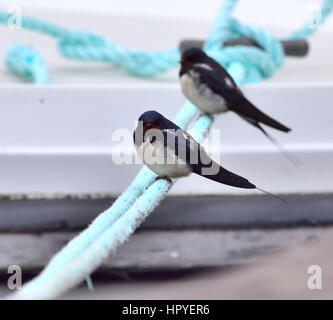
<point>168,150</point>
<point>171,152</point>
<point>212,90</point>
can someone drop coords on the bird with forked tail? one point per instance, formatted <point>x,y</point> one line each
<point>171,152</point>
<point>212,90</point>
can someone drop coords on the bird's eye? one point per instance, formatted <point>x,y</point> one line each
<point>148,125</point>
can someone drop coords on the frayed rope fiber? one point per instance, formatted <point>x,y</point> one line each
<point>85,253</point>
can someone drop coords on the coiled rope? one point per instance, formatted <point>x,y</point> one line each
<point>82,255</point>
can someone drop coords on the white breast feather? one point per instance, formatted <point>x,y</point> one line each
<point>201,95</point>
<point>162,161</point>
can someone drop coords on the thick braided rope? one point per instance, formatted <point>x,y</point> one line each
<point>86,252</point>
<point>84,45</point>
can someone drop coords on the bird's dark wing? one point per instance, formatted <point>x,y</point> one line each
<point>223,176</point>
<point>220,70</point>
<point>246,109</point>
<point>235,99</point>
<point>189,150</point>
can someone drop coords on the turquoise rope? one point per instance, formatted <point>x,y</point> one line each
<point>81,256</point>
<point>85,46</point>
<point>258,64</point>
<point>305,31</point>
<point>27,62</point>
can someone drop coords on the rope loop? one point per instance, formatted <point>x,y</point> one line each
<point>26,61</point>
<point>256,63</point>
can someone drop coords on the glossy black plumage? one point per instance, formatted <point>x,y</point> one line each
<point>187,149</point>
<point>217,79</point>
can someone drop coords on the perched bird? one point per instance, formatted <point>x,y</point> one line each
<point>212,90</point>
<point>171,152</point>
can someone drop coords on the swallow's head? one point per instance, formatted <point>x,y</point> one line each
<point>149,121</point>
<point>192,56</point>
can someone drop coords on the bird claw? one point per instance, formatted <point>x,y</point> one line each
<point>163,178</point>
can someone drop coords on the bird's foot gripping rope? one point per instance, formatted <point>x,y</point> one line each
<point>81,256</point>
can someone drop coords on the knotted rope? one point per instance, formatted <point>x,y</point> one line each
<point>256,63</point>
<point>81,256</point>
